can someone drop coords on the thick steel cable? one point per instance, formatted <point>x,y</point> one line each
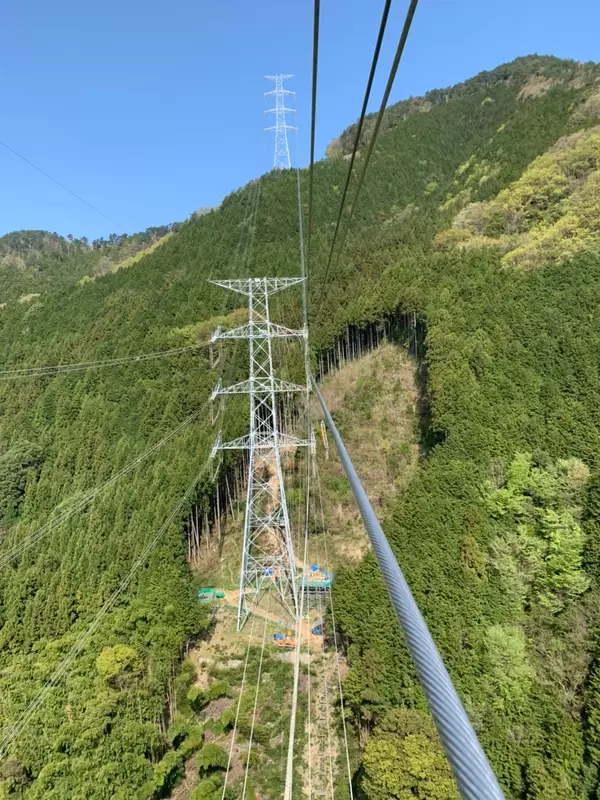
<point>359,128</point>
<point>472,771</point>
<point>386,95</point>
<point>313,122</point>
<point>35,537</point>
<point>262,652</point>
<point>18,727</point>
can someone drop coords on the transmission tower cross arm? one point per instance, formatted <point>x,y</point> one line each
<point>262,330</point>
<point>281,127</point>
<point>278,110</point>
<point>290,110</point>
<point>247,286</point>
<point>282,441</point>
<point>259,385</point>
<point>276,77</point>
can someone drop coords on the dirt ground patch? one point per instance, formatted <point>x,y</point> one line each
<point>374,403</point>
<point>536,87</point>
<point>216,707</point>
<point>186,787</point>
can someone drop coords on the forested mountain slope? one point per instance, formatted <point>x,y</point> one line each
<point>32,262</point>
<point>498,531</point>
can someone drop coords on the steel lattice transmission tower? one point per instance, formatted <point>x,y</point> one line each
<point>281,159</point>
<point>268,555</point>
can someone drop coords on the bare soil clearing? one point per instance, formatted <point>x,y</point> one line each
<point>374,403</point>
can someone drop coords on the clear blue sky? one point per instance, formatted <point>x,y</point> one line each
<point>152,109</point>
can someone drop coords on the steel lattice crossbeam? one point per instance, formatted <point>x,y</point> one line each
<point>260,385</point>
<point>283,441</point>
<point>247,285</point>
<point>268,556</point>
<point>259,330</point>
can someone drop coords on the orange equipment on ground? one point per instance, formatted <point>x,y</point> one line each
<point>285,642</point>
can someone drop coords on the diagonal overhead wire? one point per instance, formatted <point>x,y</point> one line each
<point>13,731</point>
<point>241,253</point>
<point>61,369</point>
<point>33,538</point>
<point>62,186</point>
<point>85,636</point>
<point>384,101</point>
<point>289,775</point>
<point>359,127</point>
<point>313,123</point>
<point>237,711</point>
<point>335,637</point>
<point>249,752</point>
<point>302,258</point>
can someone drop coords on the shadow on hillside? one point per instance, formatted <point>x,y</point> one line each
<point>406,330</point>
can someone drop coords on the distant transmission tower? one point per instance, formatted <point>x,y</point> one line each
<point>268,554</point>
<point>281,159</point>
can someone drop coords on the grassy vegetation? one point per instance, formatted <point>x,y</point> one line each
<point>548,215</point>
<point>131,260</point>
<point>373,400</point>
<point>223,658</point>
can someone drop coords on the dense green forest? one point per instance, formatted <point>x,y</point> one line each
<point>33,262</point>
<point>470,196</point>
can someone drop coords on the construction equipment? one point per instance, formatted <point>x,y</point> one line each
<point>284,641</point>
<point>315,580</point>
<point>272,573</point>
<point>318,574</point>
<point>208,593</point>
